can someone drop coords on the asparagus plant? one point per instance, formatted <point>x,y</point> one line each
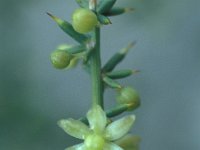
<point>97,129</point>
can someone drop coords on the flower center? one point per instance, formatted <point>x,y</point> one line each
<point>94,142</point>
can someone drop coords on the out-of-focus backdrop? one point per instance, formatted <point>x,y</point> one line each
<point>34,95</point>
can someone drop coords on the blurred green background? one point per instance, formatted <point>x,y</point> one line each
<point>34,96</point>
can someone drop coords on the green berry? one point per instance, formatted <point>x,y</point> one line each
<point>128,95</point>
<point>94,142</point>
<point>60,59</point>
<point>84,20</point>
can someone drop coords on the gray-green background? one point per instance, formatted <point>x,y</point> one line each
<point>34,96</point>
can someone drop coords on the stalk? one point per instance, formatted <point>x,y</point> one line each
<point>95,62</point>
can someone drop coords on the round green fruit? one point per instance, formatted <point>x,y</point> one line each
<point>94,142</point>
<point>60,59</point>
<point>128,95</point>
<point>84,20</point>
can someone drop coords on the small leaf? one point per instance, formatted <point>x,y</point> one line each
<point>103,19</point>
<point>83,3</point>
<point>111,83</point>
<point>118,11</point>
<point>105,5</point>
<point>117,58</point>
<point>67,28</point>
<point>117,110</point>
<point>77,49</point>
<point>72,49</point>
<point>121,73</point>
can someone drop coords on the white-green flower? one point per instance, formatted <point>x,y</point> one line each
<point>99,135</point>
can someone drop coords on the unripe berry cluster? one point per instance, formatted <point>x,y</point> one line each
<point>97,128</point>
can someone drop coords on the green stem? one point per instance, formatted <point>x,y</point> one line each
<point>95,60</point>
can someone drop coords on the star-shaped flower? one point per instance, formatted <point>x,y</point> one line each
<point>99,135</point>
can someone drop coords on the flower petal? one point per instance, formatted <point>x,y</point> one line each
<point>119,128</point>
<point>111,146</point>
<point>74,128</point>
<point>76,147</point>
<point>97,119</point>
<point>129,142</point>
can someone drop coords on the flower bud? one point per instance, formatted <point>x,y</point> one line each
<point>60,59</point>
<point>84,20</point>
<point>128,95</point>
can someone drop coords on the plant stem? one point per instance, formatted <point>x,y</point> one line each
<point>95,60</point>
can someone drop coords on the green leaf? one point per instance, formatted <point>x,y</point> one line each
<point>77,49</point>
<point>121,73</point>
<point>118,11</point>
<point>72,49</point>
<point>103,19</point>
<point>67,28</point>
<point>111,83</point>
<point>83,3</point>
<point>105,5</point>
<point>117,58</point>
<point>117,110</point>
